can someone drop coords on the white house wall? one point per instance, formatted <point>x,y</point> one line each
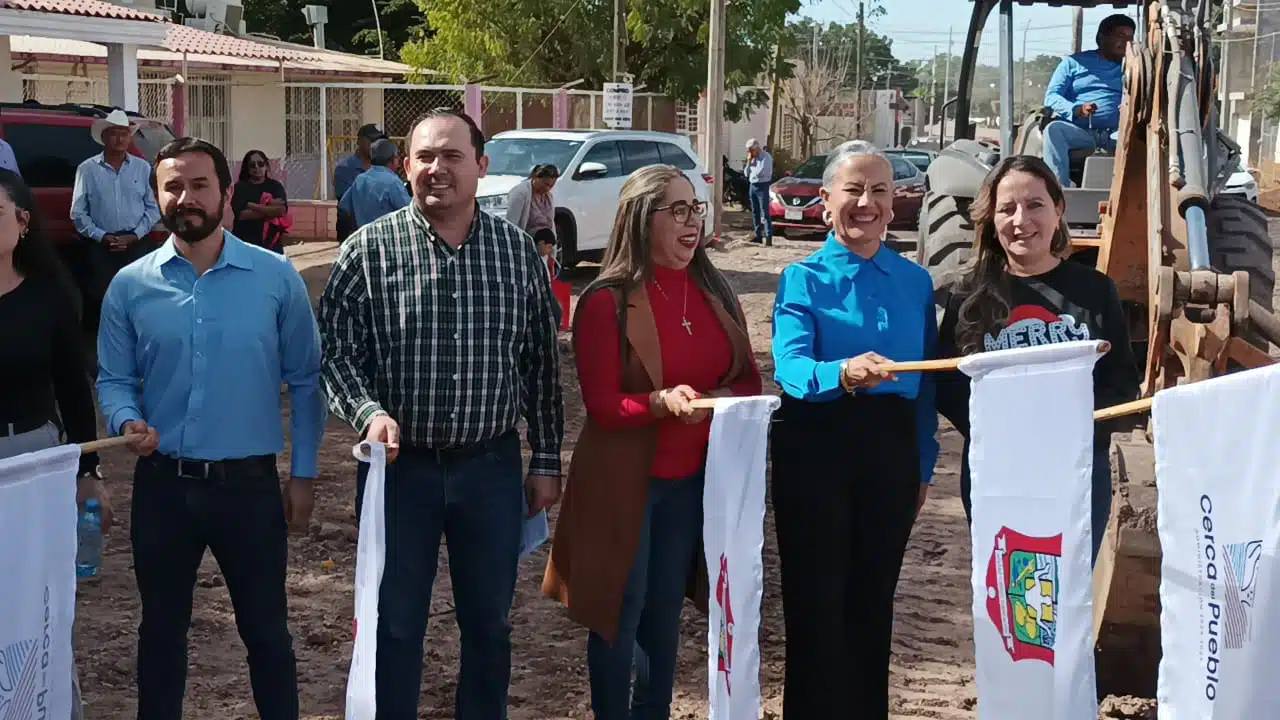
<point>10,79</point>
<point>257,117</point>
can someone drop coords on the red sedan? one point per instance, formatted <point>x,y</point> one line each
<point>795,204</point>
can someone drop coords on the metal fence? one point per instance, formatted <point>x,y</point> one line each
<point>322,120</point>
<point>155,92</point>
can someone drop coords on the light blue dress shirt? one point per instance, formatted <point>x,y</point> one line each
<point>835,305</point>
<point>1084,78</point>
<point>201,359</point>
<point>8,160</point>
<point>106,201</point>
<point>761,168</point>
<point>375,193</point>
<point>345,173</point>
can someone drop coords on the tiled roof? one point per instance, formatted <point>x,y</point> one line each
<point>87,8</point>
<point>182,39</point>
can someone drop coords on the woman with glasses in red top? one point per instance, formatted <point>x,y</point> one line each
<point>658,328</point>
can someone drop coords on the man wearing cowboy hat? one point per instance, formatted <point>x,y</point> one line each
<point>112,205</point>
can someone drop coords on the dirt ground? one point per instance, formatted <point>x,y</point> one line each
<point>932,673</point>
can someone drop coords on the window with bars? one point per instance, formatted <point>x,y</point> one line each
<point>345,110</point>
<point>209,109</point>
<point>686,117</point>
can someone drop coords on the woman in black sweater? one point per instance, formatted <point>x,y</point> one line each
<point>43,359</point>
<point>1022,292</point>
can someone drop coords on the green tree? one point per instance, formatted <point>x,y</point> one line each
<point>1267,98</point>
<point>351,27</point>
<point>880,68</point>
<point>551,42</point>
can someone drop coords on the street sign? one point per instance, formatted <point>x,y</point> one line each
<point>617,105</point>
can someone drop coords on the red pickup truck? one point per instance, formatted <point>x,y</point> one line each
<point>50,142</point>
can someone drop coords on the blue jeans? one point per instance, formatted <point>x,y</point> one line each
<point>649,621</point>
<point>761,222</point>
<point>476,503</point>
<point>1100,501</point>
<point>1061,137</point>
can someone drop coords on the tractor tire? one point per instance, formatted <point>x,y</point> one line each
<point>1240,240</point>
<point>945,243</point>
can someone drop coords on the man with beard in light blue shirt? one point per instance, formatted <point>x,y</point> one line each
<point>196,339</point>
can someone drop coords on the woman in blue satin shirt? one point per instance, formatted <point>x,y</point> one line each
<point>854,446</point>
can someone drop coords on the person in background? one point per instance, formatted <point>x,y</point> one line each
<point>854,446</point>
<point>659,327</point>
<point>759,172</point>
<point>439,334</point>
<point>1084,95</point>
<point>530,206</point>
<point>112,206</point>
<point>379,191</point>
<point>349,168</point>
<point>1021,292</point>
<point>256,201</point>
<point>42,354</point>
<point>8,161</point>
<point>196,340</point>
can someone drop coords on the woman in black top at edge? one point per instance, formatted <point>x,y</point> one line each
<point>252,211</point>
<point>43,357</point>
<point>1022,292</point>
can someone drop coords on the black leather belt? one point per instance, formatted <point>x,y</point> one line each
<point>18,427</point>
<point>194,469</point>
<point>458,453</point>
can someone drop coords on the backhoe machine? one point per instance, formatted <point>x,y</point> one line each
<point>1195,267</point>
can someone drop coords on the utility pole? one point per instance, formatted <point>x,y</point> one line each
<point>1077,29</point>
<point>714,115</point>
<point>1224,81</point>
<point>775,102</point>
<point>813,50</point>
<point>946,86</point>
<point>933,87</point>
<point>617,39</point>
<point>1022,88</point>
<point>857,122</point>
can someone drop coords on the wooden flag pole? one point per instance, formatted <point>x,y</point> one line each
<point>950,364</point>
<point>103,444</point>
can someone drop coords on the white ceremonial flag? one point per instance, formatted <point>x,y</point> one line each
<point>37,582</point>
<point>1218,515</point>
<point>371,557</point>
<point>733,536</point>
<point>1031,460</point>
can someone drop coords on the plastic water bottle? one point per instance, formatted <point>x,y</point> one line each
<point>89,548</point>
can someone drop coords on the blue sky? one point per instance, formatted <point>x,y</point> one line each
<point>917,25</point>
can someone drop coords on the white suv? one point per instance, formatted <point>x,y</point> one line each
<point>593,166</point>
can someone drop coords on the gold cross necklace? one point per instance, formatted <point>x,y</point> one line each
<point>684,312</point>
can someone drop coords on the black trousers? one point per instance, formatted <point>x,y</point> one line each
<point>236,510</point>
<point>846,478</point>
<point>104,264</point>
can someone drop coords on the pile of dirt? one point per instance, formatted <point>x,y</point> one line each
<point>1127,708</point>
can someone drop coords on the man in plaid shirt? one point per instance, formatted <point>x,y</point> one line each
<point>439,333</point>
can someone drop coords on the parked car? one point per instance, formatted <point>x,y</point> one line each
<point>593,166</point>
<point>919,158</point>
<point>795,203</point>
<point>1242,182</point>
<point>50,142</point>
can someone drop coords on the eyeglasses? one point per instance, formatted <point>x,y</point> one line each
<point>680,210</point>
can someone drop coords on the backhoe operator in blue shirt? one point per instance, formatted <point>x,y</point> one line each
<point>1084,95</point>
